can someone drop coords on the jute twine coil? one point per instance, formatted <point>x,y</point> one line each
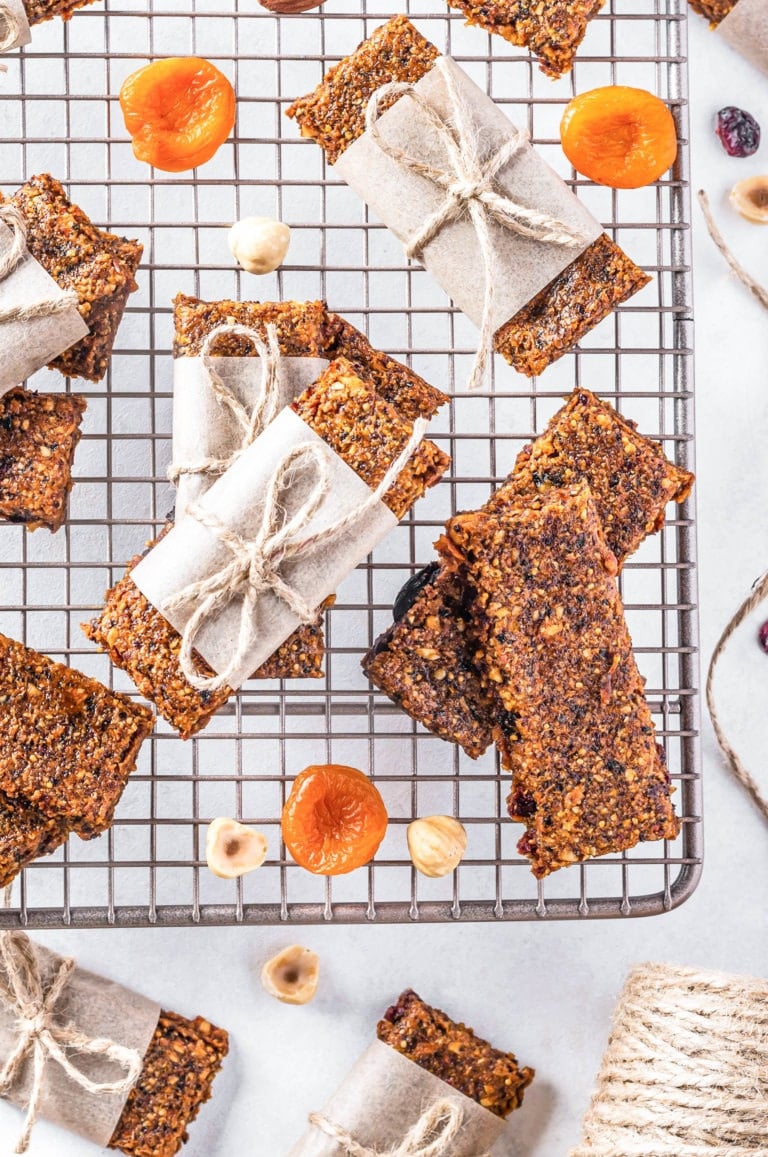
<point>431,1136</point>
<point>470,188</point>
<point>11,258</point>
<point>759,591</point>
<point>685,1073</point>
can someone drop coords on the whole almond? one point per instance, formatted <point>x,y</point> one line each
<point>289,7</point>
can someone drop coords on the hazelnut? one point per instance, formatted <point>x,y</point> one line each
<point>750,198</point>
<point>232,849</point>
<point>289,7</point>
<point>292,975</point>
<point>259,244</point>
<point>437,844</point>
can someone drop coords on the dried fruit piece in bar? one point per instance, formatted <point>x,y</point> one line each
<point>554,321</point>
<point>551,29</point>
<point>38,437</point>
<point>68,743</point>
<point>424,661</point>
<point>552,648</point>
<point>179,1068</point>
<point>451,1051</point>
<point>25,835</point>
<point>98,266</point>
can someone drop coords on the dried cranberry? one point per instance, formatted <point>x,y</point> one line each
<point>738,131</point>
<point>762,636</point>
<point>412,589</point>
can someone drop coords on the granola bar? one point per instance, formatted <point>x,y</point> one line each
<point>38,437</point>
<point>68,744</point>
<point>25,835</point>
<point>714,10</point>
<point>423,661</point>
<point>598,280</point>
<point>98,266</point>
<point>140,641</point>
<point>553,651</point>
<point>451,1051</point>
<point>180,1065</point>
<point>551,29</point>
<point>40,10</point>
<point>304,329</point>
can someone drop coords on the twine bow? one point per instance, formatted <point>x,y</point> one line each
<point>22,991</point>
<point>250,420</point>
<point>469,185</point>
<point>431,1136</point>
<point>11,258</point>
<point>254,566</point>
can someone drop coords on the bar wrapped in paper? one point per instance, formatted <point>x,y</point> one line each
<point>405,200</point>
<point>36,323</point>
<point>191,553</point>
<point>14,25</point>
<point>746,29</point>
<point>207,433</point>
<point>96,1009</point>
<point>383,1098</point>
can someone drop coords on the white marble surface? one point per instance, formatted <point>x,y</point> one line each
<point>548,990</point>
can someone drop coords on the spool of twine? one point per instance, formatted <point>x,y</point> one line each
<point>685,1073</point>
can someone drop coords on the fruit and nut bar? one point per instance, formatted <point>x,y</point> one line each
<point>304,329</point>
<point>554,653</point>
<point>551,29</point>
<point>68,744</point>
<point>714,10</point>
<point>424,661</point>
<point>25,835</point>
<point>40,10</point>
<point>180,1065</point>
<point>369,434</point>
<point>140,641</point>
<point>38,437</point>
<point>98,266</point>
<point>451,1051</point>
<point>601,278</point>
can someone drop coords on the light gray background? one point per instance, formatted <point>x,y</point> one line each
<point>546,991</point>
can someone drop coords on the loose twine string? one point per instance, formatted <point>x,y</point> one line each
<point>10,260</point>
<point>431,1136</point>
<point>251,421</point>
<point>685,1073</point>
<point>22,993</point>
<point>759,590</point>
<point>254,567</point>
<point>469,187</point>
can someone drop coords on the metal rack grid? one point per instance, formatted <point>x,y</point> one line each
<point>55,116</point>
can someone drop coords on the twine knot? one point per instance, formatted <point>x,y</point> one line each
<point>438,1126</point>
<point>22,992</point>
<point>254,566</point>
<point>11,258</point>
<point>251,420</point>
<point>469,184</point>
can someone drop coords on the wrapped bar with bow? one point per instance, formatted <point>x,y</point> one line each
<point>443,167</point>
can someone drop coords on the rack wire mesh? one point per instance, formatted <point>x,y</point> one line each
<point>59,113</point>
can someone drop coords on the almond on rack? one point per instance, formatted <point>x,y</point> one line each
<point>750,198</point>
<point>292,975</point>
<point>232,849</point>
<point>289,7</point>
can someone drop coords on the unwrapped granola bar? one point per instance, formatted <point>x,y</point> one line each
<point>551,29</point>
<point>25,835</point>
<point>98,266</point>
<point>68,744</point>
<point>714,10</point>
<point>38,437</point>
<point>424,661</point>
<point>451,1051</point>
<point>39,11</point>
<point>179,1068</point>
<point>589,288</point>
<point>552,649</point>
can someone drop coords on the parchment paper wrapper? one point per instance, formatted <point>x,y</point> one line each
<point>404,200</point>
<point>383,1096</point>
<point>97,1008</point>
<point>205,428</point>
<point>13,15</point>
<point>746,29</point>
<point>190,552</point>
<point>25,346</point>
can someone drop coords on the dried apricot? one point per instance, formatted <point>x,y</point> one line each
<point>178,112</point>
<point>619,136</point>
<point>333,820</point>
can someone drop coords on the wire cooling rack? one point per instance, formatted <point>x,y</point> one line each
<point>59,113</point>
